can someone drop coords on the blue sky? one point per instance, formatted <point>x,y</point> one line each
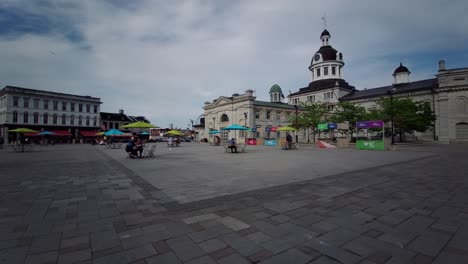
<point>163,59</point>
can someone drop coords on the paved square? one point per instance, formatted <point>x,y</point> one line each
<point>197,204</point>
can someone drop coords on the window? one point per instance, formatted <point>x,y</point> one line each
<point>15,100</point>
<point>257,114</point>
<point>36,103</point>
<point>111,125</point>
<point>72,120</point>
<point>224,118</point>
<point>15,117</point>
<point>268,113</point>
<point>72,107</point>
<point>45,118</point>
<point>64,106</point>
<point>325,70</point>
<point>25,117</point>
<point>116,125</point>
<point>80,107</point>
<point>26,102</point>
<point>36,118</point>
<point>64,119</point>
<point>55,105</point>
<point>333,70</point>
<point>95,121</point>
<point>312,74</point>
<point>311,98</point>
<point>318,72</point>
<point>46,104</point>
<point>88,108</point>
<point>87,120</point>
<point>80,120</point>
<point>105,125</point>
<point>278,116</point>
<point>54,119</point>
<point>95,108</point>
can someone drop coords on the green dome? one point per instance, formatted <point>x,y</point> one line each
<point>275,89</point>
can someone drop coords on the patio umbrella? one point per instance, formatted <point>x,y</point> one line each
<point>214,132</point>
<point>100,133</point>
<point>175,132</point>
<point>140,124</point>
<point>234,127</point>
<point>46,133</point>
<point>113,132</point>
<point>286,128</point>
<point>144,133</point>
<point>22,130</point>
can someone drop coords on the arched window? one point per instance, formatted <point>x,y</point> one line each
<point>461,106</point>
<point>224,118</point>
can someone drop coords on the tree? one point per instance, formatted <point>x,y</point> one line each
<point>408,116</point>
<point>310,116</point>
<point>347,111</point>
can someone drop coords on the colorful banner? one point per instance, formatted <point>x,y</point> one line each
<point>267,129</point>
<point>375,124</point>
<point>322,126</point>
<point>254,129</point>
<point>370,144</point>
<point>251,141</point>
<point>343,126</point>
<point>361,124</point>
<point>273,129</point>
<point>332,125</point>
<point>270,142</point>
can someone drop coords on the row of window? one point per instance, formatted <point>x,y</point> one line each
<point>318,71</point>
<point>55,105</point>
<point>269,115</point>
<point>54,118</point>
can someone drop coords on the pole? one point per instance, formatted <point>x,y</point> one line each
<point>297,126</point>
<point>391,114</point>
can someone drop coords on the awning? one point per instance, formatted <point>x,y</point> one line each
<point>61,133</point>
<point>88,133</point>
<point>31,134</point>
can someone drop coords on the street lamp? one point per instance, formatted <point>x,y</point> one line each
<point>295,108</point>
<point>391,112</point>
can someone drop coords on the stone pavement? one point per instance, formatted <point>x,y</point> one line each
<point>78,204</point>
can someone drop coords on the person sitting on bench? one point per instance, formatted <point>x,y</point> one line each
<point>232,145</point>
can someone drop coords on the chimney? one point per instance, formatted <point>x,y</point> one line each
<point>121,111</point>
<point>442,65</point>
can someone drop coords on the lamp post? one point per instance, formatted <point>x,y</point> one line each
<point>391,113</point>
<point>295,108</point>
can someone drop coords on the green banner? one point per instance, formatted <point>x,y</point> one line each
<point>370,144</point>
<point>322,126</point>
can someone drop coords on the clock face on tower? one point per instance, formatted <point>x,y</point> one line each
<point>317,57</point>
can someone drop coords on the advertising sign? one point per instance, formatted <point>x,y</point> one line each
<point>267,129</point>
<point>332,126</point>
<point>370,144</point>
<point>322,126</point>
<point>361,124</point>
<point>270,142</point>
<point>375,124</point>
<point>273,129</point>
<point>343,126</point>
<point>254,129</point>
<point>251,141</point>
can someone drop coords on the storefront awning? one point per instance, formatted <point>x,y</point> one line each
<point>88,133</point>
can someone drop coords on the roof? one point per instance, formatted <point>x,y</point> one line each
<point>274,105</point>
<point>325,33</point>
<point>15,89</point>
<point>400,88</point>
<point>401,68</point>
<point>328,53</point>
<point>105,116</point>
<point>275,89</point>
<point>325,84</point>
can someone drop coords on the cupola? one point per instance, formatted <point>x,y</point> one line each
<point>401,75</point>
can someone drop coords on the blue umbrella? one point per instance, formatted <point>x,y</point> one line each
<point>144,133</point>
<point>45,133</point>
<point>113,132</point>
<point>214,132</point>
<point>235,127</point>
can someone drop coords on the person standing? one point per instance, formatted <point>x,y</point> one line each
<point>289,141</point>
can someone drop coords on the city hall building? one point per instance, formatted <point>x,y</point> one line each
<point>447,94</point>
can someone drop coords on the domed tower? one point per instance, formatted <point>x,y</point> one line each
<point>276,94</point>
<point>401,75</point>
<point>327,62</point>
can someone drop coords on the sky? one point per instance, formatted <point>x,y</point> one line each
<point>164,59</point>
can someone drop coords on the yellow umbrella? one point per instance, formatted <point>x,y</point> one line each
<point>100,133</point>
<point>140,124</point>
<point>175,132</point>
<point>286,128</point>
<point>22,130</point>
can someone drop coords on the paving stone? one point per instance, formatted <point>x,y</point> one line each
<point>333,251</point>
<point>322,227</point>
<point>307,220</point>
<point>247,231</point>
<point>290,256</point>
<point>75,241</point>
<point>339,236</point>
<point>127,255</point>
<point>45,243</point>
<point>200,218</point>
<point>291,240</point>
<point>46,257</point>
<point>280,218</point>
<point>429,243</point>
<point>75,257</point>
<point>281,206</point>
<point>422,259</point>
<point>166,258</point>
<point>244,246</point>
<point>233,259</point>
<point>198,237</point>
<point>104,240</point>
<point>325,260</point>
<point>223,253</point>
<point>416,223</point>
<point>13,255</point>
<point>400,239</point>
<point>184,248</point>
<point>202,260</point>
<point>212,245</point>
<point>233,223</point>
<point>161,247</point>
<point>262,255</point>
<point>258,237</point>
<point>445,258</point>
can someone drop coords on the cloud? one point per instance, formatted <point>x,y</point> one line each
<point>163,59</point>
